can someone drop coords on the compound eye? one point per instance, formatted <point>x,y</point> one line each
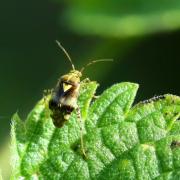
<point>66,87</point>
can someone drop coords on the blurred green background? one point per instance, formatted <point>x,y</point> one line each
<point>143,38</point>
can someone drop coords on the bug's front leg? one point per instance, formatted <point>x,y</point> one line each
<point>86,80</point>
<point>47,92</point>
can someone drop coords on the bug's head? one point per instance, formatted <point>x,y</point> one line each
<point>72,77</point>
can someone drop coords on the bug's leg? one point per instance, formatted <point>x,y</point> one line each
<point>86,80</point>
<point>46,92</point>
<point>95,97</point>
<point>81,131</point>
<point>45,95</point>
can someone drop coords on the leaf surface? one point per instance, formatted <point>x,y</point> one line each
<point>121,142</point>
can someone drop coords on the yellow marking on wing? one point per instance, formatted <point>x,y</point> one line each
<point>66,87</point>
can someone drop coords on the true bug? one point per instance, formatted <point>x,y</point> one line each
<point>64,97</point>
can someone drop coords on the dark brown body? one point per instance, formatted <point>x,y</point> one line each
<point>64,97</point>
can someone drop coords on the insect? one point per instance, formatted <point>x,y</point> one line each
<point>65,95</point>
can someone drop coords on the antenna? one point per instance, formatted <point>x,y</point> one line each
<point>65,52</point>
<point>95,61</point>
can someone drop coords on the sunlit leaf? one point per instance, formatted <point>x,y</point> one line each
<point>121,142</point>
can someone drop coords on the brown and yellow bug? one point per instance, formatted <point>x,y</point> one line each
<point>65,95</point>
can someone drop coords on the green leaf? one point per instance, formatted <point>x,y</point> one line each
<point>0,175</point>
<point>121,142</point>
<point>123,18</point>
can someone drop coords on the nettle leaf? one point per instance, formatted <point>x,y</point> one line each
<point>121,142</point>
